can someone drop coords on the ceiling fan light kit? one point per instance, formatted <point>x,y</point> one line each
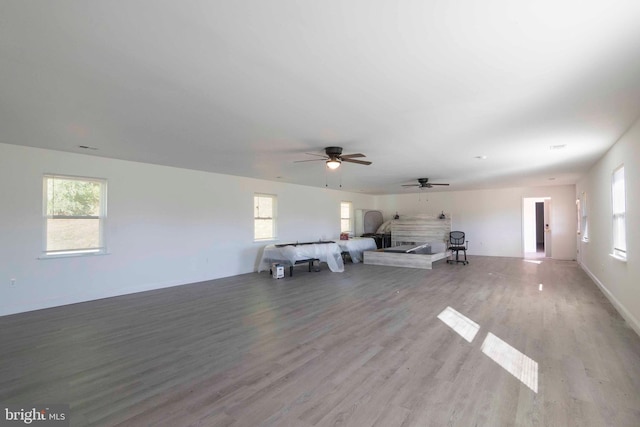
<point>333,163</point>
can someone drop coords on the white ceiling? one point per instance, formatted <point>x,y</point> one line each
<point>247,87</point>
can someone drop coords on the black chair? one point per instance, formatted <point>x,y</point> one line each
<point>457,244</point>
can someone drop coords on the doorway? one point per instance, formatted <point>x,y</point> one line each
<point>536,227</point>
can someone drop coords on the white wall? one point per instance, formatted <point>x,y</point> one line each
<point>529,224</point>
<point>620,281</point>
<point>169,226</point>
<point>166,226</point>
<point>492,219</point>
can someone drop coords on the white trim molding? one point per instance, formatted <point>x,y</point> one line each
<point>628,317</point>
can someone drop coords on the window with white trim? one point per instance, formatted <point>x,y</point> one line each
<point>75,212</point>
<point>345,217</point>
<point>578,210</point>
<point>264,216</point>
<point>619,210</point>
<point>584,219</point>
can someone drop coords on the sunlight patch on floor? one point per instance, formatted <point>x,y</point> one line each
<point>461,324</point>
<point>517,364</point>
<point>532,261</point>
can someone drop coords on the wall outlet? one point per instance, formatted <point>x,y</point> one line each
<point>12,282</point>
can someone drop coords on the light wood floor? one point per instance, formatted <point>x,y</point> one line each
<point>359,348</point>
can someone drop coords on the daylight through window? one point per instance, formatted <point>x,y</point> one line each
<point>74,215</point>
<point>345,217</point>
<point>584,220</point>
<point>264,216</point>
<point>619,211</point>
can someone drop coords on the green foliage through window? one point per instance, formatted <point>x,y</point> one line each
<point>70,197</point>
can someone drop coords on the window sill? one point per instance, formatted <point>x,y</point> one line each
<point>73,255</point>
<point>618,257</point>
<point>265,240</point>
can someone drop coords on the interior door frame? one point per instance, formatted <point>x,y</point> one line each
<point>529,224</point>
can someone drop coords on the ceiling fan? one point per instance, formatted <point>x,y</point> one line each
<point>423,183</point>
<point>334,157</point>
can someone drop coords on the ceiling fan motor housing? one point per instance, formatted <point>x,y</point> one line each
<point>333,152</point>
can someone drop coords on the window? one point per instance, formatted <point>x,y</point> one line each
<point>74,215</point>
<point>578,210</point>
<point>345,217</point>
<point>583,225</point>
<point>619,209</point>
<point>264,217</point>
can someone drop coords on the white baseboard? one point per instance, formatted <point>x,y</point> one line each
<point>81,297</point>
<point>96,295</point>
<point>630,319</point>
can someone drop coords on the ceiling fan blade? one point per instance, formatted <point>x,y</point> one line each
<point>351,156</point>
<point>319,155</point>
<point>312,160</point>
<point>360,162</point>
<point>410,185</point>
<point>437,184</point>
